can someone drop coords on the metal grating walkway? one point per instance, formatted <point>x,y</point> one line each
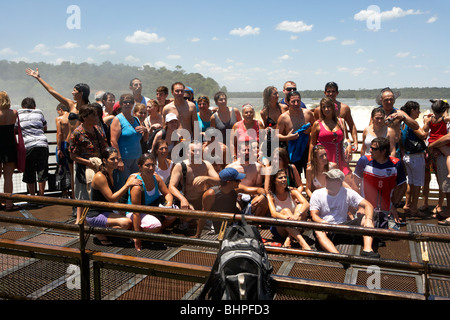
<point>49,280</point>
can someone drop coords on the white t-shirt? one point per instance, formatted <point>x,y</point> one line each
<point>334,209</point>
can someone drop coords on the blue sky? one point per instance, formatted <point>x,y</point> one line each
<point>244,45</point>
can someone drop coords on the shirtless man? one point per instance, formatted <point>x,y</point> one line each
<point>62,140</point>
<point>136,90</point>
<point>185,111</point>
<point>292,121</point>
<point>200,175</point>
<point>332,91</point>
<point>161,96</point>
<point>254,200</point>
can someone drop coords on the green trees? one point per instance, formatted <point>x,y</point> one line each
<point>106,76</point>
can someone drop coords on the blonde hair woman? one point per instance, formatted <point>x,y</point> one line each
<point>8,151</point>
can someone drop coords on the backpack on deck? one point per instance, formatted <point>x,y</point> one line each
<point>242,269</point>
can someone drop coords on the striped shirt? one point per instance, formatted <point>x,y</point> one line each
<point>379,180</point>
<point>32,122</point>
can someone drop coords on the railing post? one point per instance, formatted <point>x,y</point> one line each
<point>84,261</point>
<point>425,261</point>
<point>97,281</point>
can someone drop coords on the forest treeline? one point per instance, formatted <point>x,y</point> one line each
<point>106,76</point>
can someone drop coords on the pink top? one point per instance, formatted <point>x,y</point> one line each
<point>247,135</point>
<point>332,141</point>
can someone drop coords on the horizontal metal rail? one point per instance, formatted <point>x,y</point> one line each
<point>374,232</point>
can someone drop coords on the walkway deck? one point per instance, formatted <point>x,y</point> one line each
<point>45,281</point>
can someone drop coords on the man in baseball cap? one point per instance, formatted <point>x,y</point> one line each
<point>230,174</point>
<point>332,204</point>
<point>221,198</point>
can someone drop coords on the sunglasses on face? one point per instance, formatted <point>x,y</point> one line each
<point>291,89</point>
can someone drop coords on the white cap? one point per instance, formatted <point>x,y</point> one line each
<point>171,116</point>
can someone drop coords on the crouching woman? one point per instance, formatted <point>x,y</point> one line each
<point>102,190</point>
<point>152,192</point>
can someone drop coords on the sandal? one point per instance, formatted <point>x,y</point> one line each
<point>12,208</point>
<point>444,222</point>
<point>99,242</point>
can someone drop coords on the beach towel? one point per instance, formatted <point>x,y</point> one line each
<point>297,147</point>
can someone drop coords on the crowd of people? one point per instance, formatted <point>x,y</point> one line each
<point>185,153</point>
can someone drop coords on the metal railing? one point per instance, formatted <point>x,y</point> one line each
<point>197,274</point>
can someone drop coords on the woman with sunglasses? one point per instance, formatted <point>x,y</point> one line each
<point>330,132</point>
<point>126,135</point>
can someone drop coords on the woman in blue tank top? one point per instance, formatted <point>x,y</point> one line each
<point>126,135</point>
<point>150,193</point>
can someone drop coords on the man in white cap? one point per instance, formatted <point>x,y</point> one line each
<point>331,205</point>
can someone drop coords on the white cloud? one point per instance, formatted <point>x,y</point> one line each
<point>195,39</point>
<point>132,59</point>
<point>294,26</point>
<point>141,37</point>
<point>21,59</point>
<point>432,19</point>
<point>402,54</point>
<point>359,51</point>
<point>348,42</point>
<point>7,52</point>
<point>285,57</point>
<point>100,47</point>
<point>161,64</point>
<point>69,45</point>
<point>394,13</point>
<point>355,71</point>
<point>248,30</point>
<point>41,49</point>
<point>327,39</point>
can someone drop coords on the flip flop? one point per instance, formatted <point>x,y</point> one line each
<point>444,223</point>
<point>12,208</point>
<point>273,244</point>
<point>99,242</point>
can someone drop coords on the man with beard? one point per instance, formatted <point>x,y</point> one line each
<point>254,201</point>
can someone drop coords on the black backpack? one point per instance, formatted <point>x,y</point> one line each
<point>242,269</point>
